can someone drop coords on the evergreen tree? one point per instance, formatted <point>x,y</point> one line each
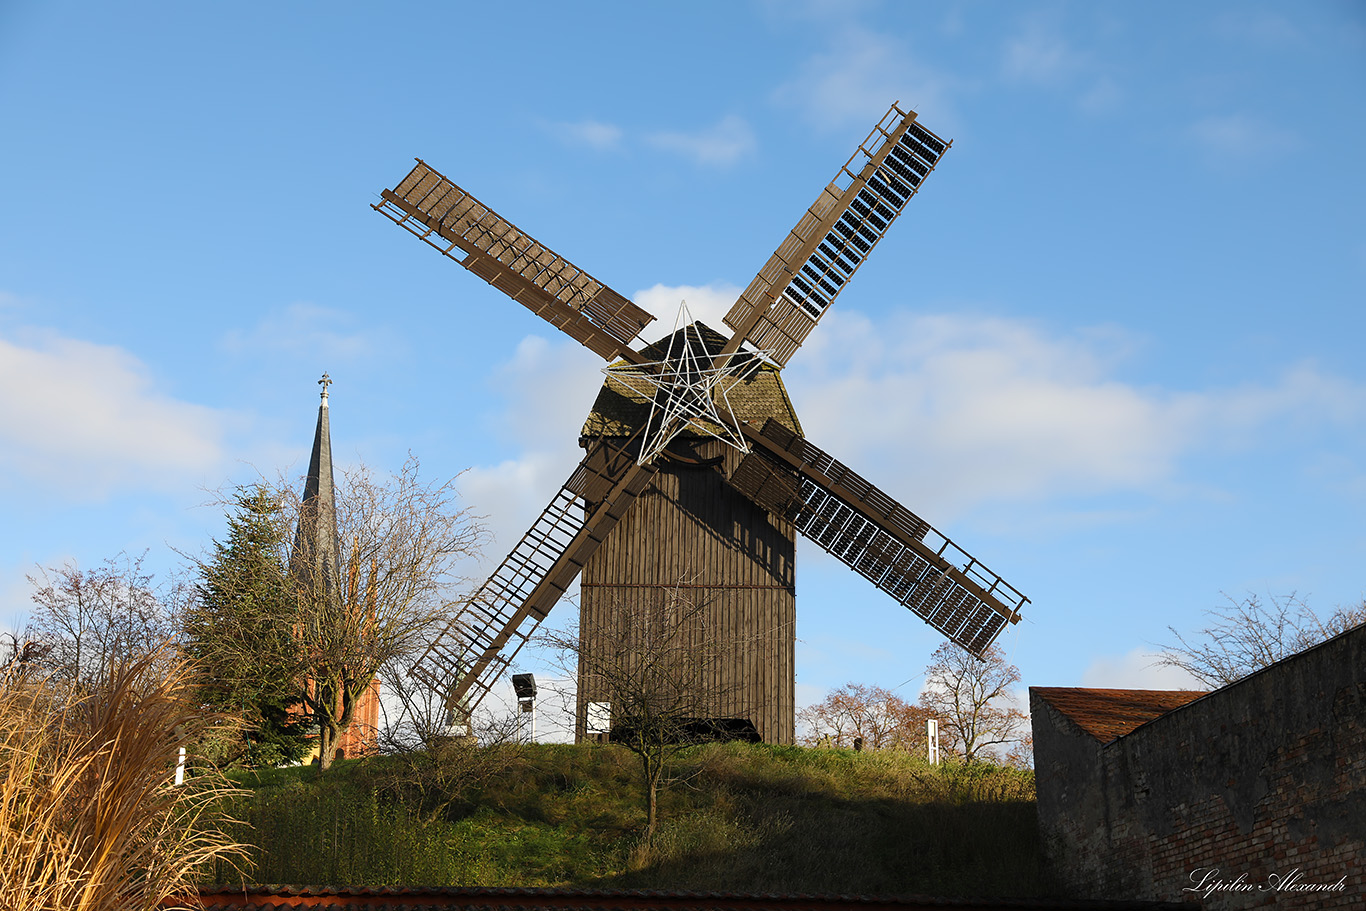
<point>240,628</point>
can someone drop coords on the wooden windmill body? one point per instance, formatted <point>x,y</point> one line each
<point>696,471</point>
<point>692,536</point>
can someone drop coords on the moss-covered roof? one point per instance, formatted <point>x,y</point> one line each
<point>620,409</point>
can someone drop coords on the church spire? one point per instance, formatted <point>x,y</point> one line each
<point>317,549</point>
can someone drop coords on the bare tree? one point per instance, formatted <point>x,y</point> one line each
<point>416,718</point>
<point>429,765</point>
<point>876,717</point>
<point>19,651</point>
<point>1247,635</point>
<point>400,540</point>
<point>659,670</point>
<point>1021,755</point>
<point>968,694</point>
<point>86,621</point>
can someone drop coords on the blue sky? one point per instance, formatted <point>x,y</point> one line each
<point>1114,347</point>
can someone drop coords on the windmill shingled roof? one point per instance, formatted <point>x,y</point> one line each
<point>619,409</point>
<point>1109,714</point>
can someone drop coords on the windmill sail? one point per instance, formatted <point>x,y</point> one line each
<point>876,536</point>
<point>467,656</point>
<point>450,219</point>
<point>818,257</point>
<point>784,473</point>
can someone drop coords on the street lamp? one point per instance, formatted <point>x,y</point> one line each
<point>524,685</point>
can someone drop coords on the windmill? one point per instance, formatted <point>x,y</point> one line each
<point>687,406</point>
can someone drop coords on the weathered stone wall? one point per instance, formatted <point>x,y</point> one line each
<point>1259,785</point>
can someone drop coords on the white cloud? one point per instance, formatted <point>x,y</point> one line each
<point>1039,55</point>
<point>86,419</point>
<point>719,145</point>
<point>966,410</point>
<point>591,133</point>
<point>706,303</point>
<point>308,329</point>
<point>1261,28</point>
<point>511,495</point>
<point>1137,670</point>
<point>809,694</point>
<point>1104,95</point>
<point>16,595</point>
<point>722,144</point>
<point>863,72</point>
<point>815,10</point>
<point>1302,398</point>
<point>986,408</point>
<point>1242,140</point>
<point>549,388</point>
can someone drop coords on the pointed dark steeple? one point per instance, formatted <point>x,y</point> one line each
<point>317,549</point>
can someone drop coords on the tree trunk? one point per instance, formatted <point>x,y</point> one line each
<point>328,734</point>
<point>334,711</point>
<point>653,772</point>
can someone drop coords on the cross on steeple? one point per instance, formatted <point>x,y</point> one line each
<point>325,382</point>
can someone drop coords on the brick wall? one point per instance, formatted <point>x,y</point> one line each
<point>361,736</point>
<point>1258,784</point>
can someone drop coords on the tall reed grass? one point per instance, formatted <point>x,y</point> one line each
<point>90,817</point>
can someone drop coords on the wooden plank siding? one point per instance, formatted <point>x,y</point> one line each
<point>691,532</point>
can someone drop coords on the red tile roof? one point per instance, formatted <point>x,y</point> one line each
<point>331,898</point>
<point>1108,714</point>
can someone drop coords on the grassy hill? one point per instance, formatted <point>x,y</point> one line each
<point>741,817</point>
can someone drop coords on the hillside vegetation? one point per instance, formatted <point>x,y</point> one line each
<point>752,818</point>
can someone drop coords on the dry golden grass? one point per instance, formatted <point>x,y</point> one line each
<point>90,817</point>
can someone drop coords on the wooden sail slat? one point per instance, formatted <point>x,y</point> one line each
<point>883,541</point>
<point>802,278</point>
<point>438,211</point>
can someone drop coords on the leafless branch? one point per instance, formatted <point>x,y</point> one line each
<point>1247,635</point>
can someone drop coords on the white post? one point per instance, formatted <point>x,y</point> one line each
<point>527,707</point>
<point>932,736</point>
<point>180,768</point>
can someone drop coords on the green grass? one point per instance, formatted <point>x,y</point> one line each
<point>743,818</point>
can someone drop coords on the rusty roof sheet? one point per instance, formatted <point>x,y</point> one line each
<point>619,409</point>
<point>1109,714</point>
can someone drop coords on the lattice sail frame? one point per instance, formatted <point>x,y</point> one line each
<point>449,218</point>
<point>876,536</point>
<point>800,281</point>
<point>469,653</point>
<point>846,515</point>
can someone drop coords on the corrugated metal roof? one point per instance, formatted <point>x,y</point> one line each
<point>1108,714</point>
<point>619,409</point>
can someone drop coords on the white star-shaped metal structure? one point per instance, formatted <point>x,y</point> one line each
<point>684,390</point>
